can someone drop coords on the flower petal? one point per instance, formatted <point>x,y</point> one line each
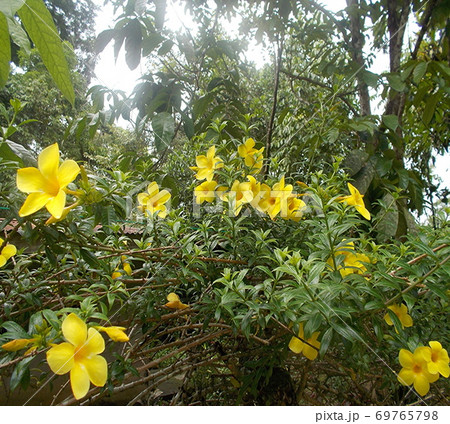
<point>33,203</point>
<point>296,345</point>
<point>79,380</point>
<point>97,368</point>
<point>201,161</point>
<point>56,205</point>
<point>95,343</point>
<point>67,172</point>
<point>48,161</point>
<point>143,198</point>
<point>60,358</point>
<point>74,330</point>
<point>421,385</point>
<point>405,358</point>
<point>30,180</point>
<point>8,251</point>
<point>406,377</point>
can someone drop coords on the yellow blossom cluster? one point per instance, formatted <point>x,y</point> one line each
<point>276,200</point>
<point>423,366</point>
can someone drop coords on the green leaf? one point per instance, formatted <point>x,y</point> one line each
<point>39,25</point>
<point>396,82</point>
<point>391,121</point>
<point>90,258</point>
<point>345,331</point>
<point>7,154</point>
<point>21,373</point>
<point>164,130</point>
<point>370,78</point>
<point>133,44</point>
<point>430,107</point>
<point>5,50</point>
<point>10,7</point>
<point>103,39</point>
<point>166,47</point>
<point>419,71</point>
<point>52,318</point>
<point>15,331</point>
<point>151,42</point>
<point>19,36</point>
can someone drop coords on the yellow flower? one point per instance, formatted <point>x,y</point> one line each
<point>154,201</point>
<point>19,344</point>
<point>174,302</point>
<point>437,359</point>
<point>415,371</point>
<point>46,184</point>
<point>7,252</point>
<point>247,149</point>
<point>116,334</point>
<point>295,208</point>
<point>402,313</point>
<point>253,158</point>
<point>356,199</point>
<point>206,165</point>
<point>125,266</point>
<point>205,192</point>
<point>239,195</point>
<point>298,346</point>
<point>80,356</point>
<point>276,203</point>
<point>261,200</point>
<point>353,263</point>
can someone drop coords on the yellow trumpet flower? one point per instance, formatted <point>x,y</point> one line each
<point>46,184</point>
<point>154,201</point>
<point>174,302</point>
<point>79,356</point>
<point>206,165</point>
<point>356,199</point>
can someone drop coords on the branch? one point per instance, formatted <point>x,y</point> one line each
<point>321,84</point>
<point>424,27</point>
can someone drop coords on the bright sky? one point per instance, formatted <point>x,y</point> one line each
<point>117,75</point>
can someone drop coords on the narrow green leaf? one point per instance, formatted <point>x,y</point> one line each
<point>430,107</point>
<point>39,25</point>
<point>5,50</point>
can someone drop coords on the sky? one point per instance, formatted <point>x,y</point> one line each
<point>117,75</point>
